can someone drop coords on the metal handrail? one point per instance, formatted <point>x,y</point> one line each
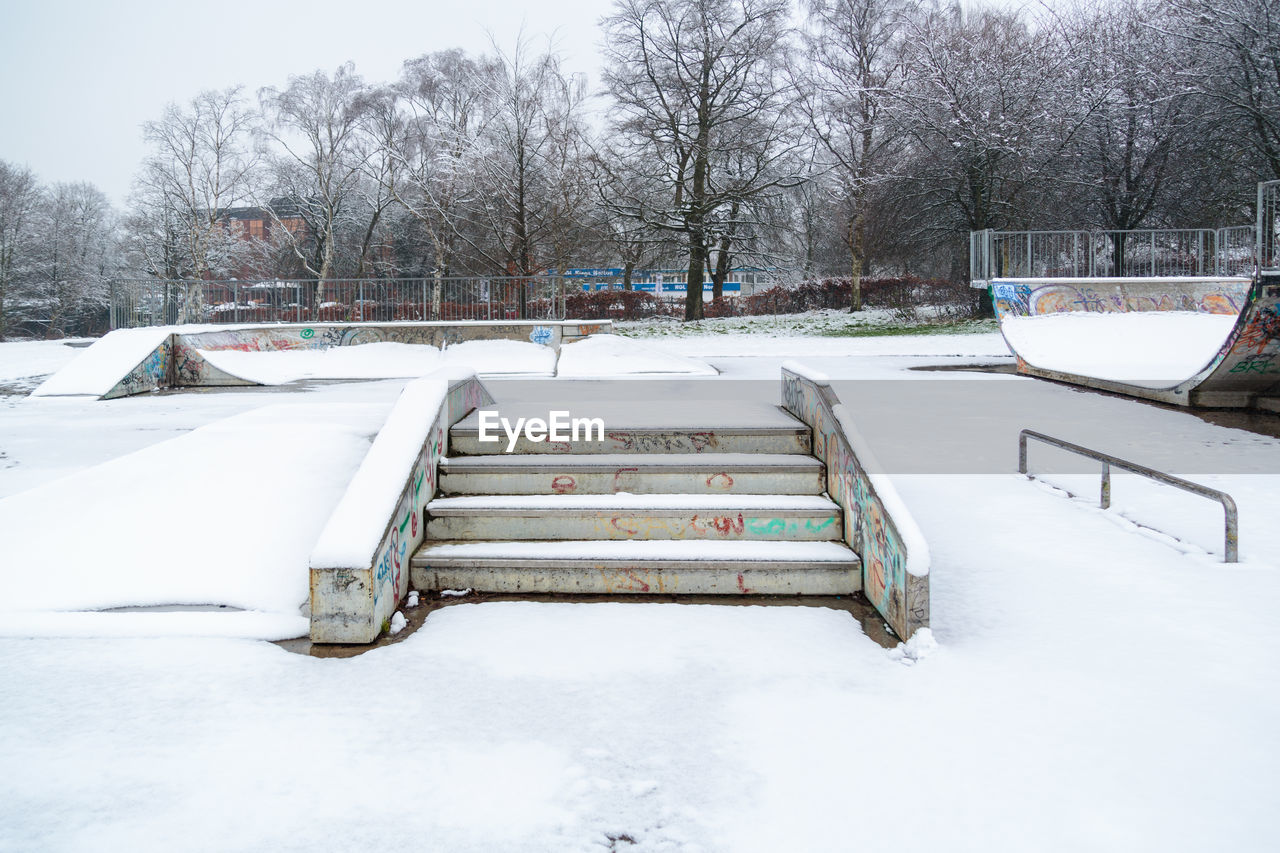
<point>1231,516</point>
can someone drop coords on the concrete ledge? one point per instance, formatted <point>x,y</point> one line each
<point>877,526</point>
<point>359,567</point>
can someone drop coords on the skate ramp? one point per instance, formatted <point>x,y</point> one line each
<point>1199,341</point>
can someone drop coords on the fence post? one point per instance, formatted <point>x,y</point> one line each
<point>235,302</point>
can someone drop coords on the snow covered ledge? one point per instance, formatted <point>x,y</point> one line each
<point>360,564</point>
<point>895,556</point>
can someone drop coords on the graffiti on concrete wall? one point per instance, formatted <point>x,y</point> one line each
<point>322,335</point>
<point>1026,298</point>
<point>151,374</point>
<point>406,529</point>
<point>1253,352</point>
<point>869,528</point>
<point>177,361</point>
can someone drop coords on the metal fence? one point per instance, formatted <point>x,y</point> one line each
<point>1235,251</point>
<point>154,302</point>
<point>1103,254</point>
<point>151,302</point>
<point>1268,236</point>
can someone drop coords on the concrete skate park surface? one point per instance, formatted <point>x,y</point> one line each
<point>1191,341</point>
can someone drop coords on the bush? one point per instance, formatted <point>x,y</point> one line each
<point>902,295</point>
<point>613,305</point>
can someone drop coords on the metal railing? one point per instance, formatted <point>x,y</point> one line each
<point>1231,516</point>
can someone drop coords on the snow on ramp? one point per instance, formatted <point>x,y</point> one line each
<point>489,358</point>
<point>383,360</point>
<point>1153,349</point>
<point>224,515</point>
<point>101,367</point>
<point>365,361</point>
<point>611,355</point>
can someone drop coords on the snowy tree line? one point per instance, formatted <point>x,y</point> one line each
<point>837,138</point>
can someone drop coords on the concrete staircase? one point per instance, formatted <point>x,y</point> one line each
<point>659,506</point>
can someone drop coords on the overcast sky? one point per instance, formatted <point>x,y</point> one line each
<point>79,77</point>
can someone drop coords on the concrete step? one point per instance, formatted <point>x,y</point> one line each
<point>656,473</point>
<point>622,517</point>
<point>713,568</point>
<point>642,427</point>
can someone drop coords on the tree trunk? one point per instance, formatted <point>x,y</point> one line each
<point>627,269</point>
<point>857,235</point>
<point>437,289</point>
<point>721,271</point>
<point>693,309</point>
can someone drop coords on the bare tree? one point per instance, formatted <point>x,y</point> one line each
<point>1237,44</point>
<point>443,101</point>
<point>75,255</point>
<point>381,127</point>
<point>988,115</point>
<point>200,164</point>
<point>529,211</point>
<point>315,123</point>
<point>853,73</point>
<point>19,198</point>
<point>696,82</point>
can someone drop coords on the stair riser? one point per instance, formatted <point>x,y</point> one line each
<point>467,443</point>
<point>610,482</point>
<point>641,579</point>
<point>632,525</point>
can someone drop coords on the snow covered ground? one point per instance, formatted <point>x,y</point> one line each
<point>1156,349</point>
<point>1095,685</point>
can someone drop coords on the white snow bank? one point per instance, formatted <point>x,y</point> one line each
<point>354,530</point>
<point>1149,348</point>
<point>24,359</point>
<point>491,357</point>
<point>648,549</point>
<point>612,355</point>
<point>626,500</point>
<point>104,364</point>
<point>642,461</point>
<point>382,360</point>
<point>225,514</point>
<point>982,345</point>
<point>814,376</point>
<point>237,624</point>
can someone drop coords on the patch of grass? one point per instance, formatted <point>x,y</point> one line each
<point>834,324</point>
<point>961,327</point>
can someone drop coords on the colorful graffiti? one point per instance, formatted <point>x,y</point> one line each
<point>662,442</point>
<point>152,374</point>
<point>406,529</point>
<point>177,362</point>
<point>1023,298</point>
<point>901,597</point>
